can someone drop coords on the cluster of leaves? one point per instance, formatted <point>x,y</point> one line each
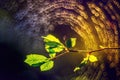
<point>52,46</point>
<point>89,58</point>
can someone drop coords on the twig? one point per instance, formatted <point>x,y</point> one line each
<point>58,55</point>
<point>85,51</point>
<point>91,51</point>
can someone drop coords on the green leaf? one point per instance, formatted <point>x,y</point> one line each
<point>53,44</point>
<point>47,66</point>
<point>71,42</point>
<point>38,64</point>
<point>76,69</point>
<point>90,58</point>
<point>35,59</point>
<point>84,62</point>
<point>55,48</point>
<point>50,37</point>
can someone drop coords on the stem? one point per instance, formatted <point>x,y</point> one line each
<point>58,55</point>
<point>86,51</point>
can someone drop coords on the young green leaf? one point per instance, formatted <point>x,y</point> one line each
<point>93,58</point>
<point>50,37</point>
<point>47,66</point>
<point>76,69</point>
<point>83,63</point>
<point>56,49</point>
<point>35,59</point>
<point>38,64</point>
<point>52,44</point>
<point>71,42</point>
<point>53,47</point>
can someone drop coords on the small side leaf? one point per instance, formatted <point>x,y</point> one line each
<point>53,47</point>
<point>76,69</point>
<point>52,44</point>
<point>84,62</point>
<point>35,59</point>
<point>93,58</point>
<point>90,58</point>
<point>47,66</point>
<point>71,42</point>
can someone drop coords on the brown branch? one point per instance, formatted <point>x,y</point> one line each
<point>85,51</point>
<point>91,51</point>
<point>102,50</point>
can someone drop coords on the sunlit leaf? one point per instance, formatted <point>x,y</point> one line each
<point>85,59</point>
<point>47,66</point>
<point>50,37</point>
<point>50,49</point>
<point>53,44</point>
<point>35,59</point>
<point>53,47</point>
<point>83,62</point>
<point>93,58</point>
<point>76,69</point>
<point>90,58</point>
<point>71,42</point>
